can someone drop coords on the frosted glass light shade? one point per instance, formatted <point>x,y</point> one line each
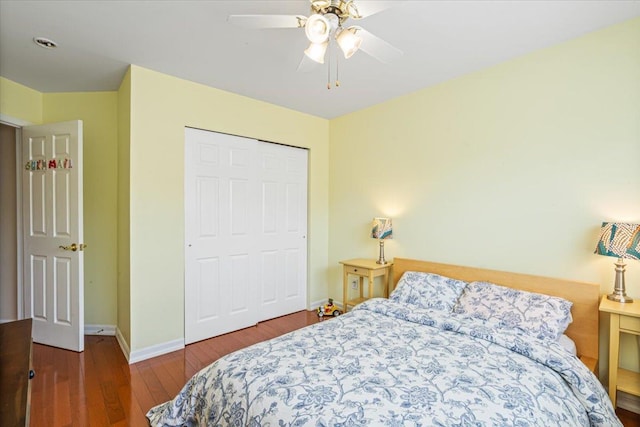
<point>317,29</point>
<point>316,51</point>
<point>349,41</point>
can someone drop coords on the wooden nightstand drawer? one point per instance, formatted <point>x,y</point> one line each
<point>631,324</point>
<point>356,270</point>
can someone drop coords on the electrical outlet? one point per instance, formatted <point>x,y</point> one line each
<point>354,285</point>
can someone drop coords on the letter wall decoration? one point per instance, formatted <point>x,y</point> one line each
<point>42,165</point>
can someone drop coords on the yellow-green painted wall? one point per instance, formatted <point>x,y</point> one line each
<point>511,168</point>
<point>20,102</point>
<point>161,107</point>
<point>98,111</point>
<point>124,236</point>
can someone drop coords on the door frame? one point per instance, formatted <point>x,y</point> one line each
<point>18,124</point>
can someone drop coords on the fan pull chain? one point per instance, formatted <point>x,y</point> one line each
<point>329,72</point>
<point>333,53</point>
<point>337,70</point>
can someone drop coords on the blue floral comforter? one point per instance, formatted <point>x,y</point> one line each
<point>387,364</point>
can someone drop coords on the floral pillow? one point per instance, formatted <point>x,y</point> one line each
<point>542,316</point>
<point>428,290</point>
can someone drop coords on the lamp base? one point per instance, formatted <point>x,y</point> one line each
<point>381,259</point>
<point>619,298</point>
<point>619,293</point>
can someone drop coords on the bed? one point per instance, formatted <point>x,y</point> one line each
<point>452,346</point>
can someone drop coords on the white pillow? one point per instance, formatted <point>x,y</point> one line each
<point>538,315</point>
<point>428,290</point>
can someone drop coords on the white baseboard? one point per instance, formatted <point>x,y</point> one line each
<point>316,304</point>
<point>628,402</point>
<point>123,344</point>
<point>109,330</point>
<point>138,355</point>
<point>155,350</point>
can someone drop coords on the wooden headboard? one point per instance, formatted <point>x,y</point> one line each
<point>585,296</point>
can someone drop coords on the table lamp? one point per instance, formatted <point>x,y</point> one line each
<point>622,241</point>
<point>381,229</point>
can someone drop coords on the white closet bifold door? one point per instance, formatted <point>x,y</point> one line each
<point>245,232</point>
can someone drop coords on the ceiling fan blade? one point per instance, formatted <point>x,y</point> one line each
<point>362,8</point>
<point>374,46</point>
<point>268,21</point>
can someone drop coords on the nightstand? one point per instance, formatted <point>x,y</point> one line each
<point>363,268</point>
<point>625,318</point>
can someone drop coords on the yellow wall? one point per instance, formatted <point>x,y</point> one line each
<point>511,168</point>
<point>20,102</point>
<point>161,107</point>
<point>124,132</point>
<point>98,111</point>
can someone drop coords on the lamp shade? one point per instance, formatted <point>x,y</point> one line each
<point>619,240</point>
<point>382,228</point>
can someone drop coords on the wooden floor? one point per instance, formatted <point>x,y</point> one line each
<point>98,388</point>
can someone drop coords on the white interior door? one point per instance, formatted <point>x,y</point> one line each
<point>53,276</point>
<point>245,232</point>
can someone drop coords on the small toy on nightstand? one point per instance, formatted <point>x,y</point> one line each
<point>329,309</point>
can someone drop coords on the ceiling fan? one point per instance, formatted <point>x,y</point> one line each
<point>326,24</point>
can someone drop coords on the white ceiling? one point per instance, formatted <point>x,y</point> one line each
<point>193,40</point>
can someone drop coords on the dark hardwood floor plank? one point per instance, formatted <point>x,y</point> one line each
<point>176,370</point>
<point>154,385</point>
<point>42,385</point>
<point>93,389</point>
<point>77,390</point>
<point>169,383</point>
<point>135,416</point>
<point>139,389</point>
<point>113,406</point>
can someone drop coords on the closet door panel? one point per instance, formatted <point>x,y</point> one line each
<point>220,259</point>
<point>283,231</point>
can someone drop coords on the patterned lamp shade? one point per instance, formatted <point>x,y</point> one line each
<point>622,241</point>
<point>619,240</point>
<point>382,228</point>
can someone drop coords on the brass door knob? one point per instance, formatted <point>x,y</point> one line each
<point>74,247</point>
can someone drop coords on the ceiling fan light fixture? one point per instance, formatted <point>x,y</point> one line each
<point>349,41</point>
<point>352,10</point>
<point>317,28</point>
<point>316,51</point>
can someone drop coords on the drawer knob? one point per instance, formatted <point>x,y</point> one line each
<point>32,374</point>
